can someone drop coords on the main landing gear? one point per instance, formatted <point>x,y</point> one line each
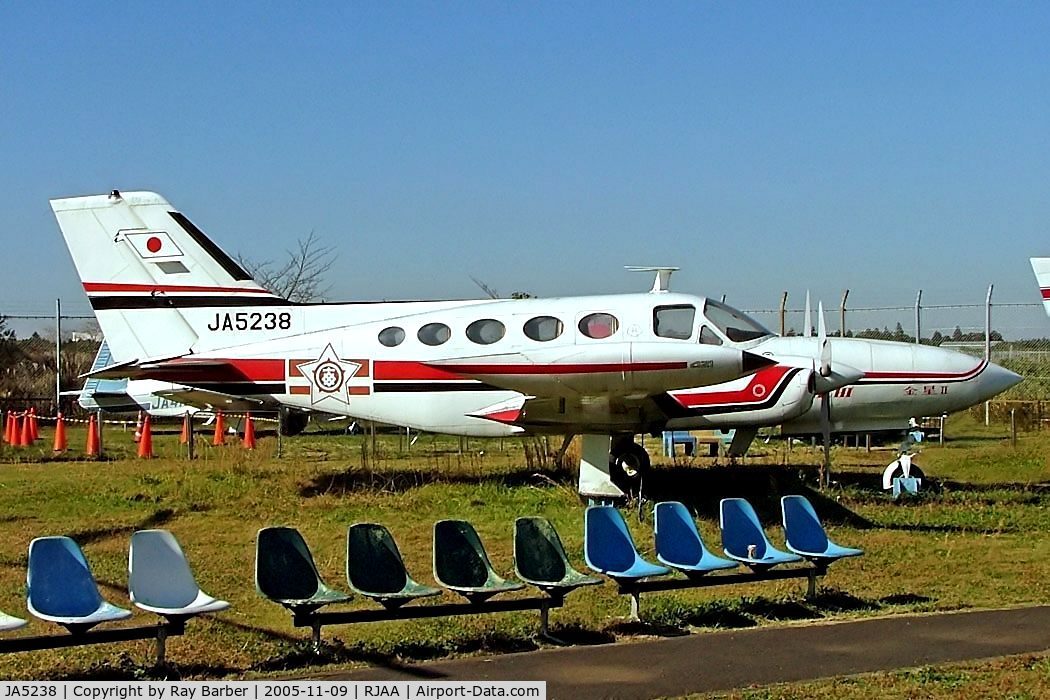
<point>610,467</point>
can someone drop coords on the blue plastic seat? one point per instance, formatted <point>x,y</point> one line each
<point>61,589</point>
<point>744,540</point>
<point>609,549</point>
<point>678,543</point>
<point>806,536</point>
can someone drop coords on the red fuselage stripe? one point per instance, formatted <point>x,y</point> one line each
<point>151,288</point>
<point>767,378</point>
<point>1046,292</point>
<point>925,376</point>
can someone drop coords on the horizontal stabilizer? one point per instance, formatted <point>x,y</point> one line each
<point>210,400</point>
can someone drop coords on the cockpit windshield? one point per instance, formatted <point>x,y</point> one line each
<point>734,324</point>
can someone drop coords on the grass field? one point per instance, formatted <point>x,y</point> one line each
<point>979,537</point>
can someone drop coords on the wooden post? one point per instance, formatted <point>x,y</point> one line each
<point>1013,427</point>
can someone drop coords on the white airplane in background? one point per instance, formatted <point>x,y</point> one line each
<point>871,385</point>
<point>167,400</point>
<point>176,308</point>
<point>1041,268</point>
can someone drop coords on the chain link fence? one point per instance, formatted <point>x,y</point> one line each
<point>1020,341</point>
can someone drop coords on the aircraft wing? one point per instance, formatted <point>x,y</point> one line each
<point>208,400</point>
<point>560,415</point>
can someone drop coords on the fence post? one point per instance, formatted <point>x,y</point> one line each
<point>58,355</point>
<point>988,345</point>
<point>1013,427</point>
<point>783,313</point>
<point>842,315</point>
<point>918,317</point>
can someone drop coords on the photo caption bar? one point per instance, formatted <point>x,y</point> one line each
<point>271,690</point>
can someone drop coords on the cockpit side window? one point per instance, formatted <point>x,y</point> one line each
<point>736,326</point>
<point>674,321</point>
<point>709,337</point>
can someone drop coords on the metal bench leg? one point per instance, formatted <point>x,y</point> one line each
<point>162,638</point>
<point>315,627</point>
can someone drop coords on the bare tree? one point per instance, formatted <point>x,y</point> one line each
<point>301,277</point>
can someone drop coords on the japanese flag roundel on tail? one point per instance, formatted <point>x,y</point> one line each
<point>142,263</point>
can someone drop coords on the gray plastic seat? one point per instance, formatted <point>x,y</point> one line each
<point>540,559</point>
<point>9,623</point>
<point>160,579</point>
<point>61,589</point>
<point>374,567</point>
<point>461,564</point>
<point>286,574</point>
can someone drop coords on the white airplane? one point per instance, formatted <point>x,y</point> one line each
<point>1041,268</point>
<point>176,308</point>
<point>871,385</point>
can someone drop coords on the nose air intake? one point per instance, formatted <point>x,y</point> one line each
<point>750,362</point>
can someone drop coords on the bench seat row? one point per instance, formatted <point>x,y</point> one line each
<point>60,587</point>
<point>610,550</point>
<point>285,572</point>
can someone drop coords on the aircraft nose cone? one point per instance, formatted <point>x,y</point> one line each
<point>750,362</point>
<point>996,379</point>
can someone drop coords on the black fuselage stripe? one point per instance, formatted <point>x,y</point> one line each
<point>396,387</point>
<point>242,388</point>
<point>109,303</point>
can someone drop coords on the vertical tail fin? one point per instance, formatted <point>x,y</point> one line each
<point>1041,268</point>
<point>140,261</point>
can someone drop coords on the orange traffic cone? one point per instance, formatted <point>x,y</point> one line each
<point>146,440</point>
<point>249,432</point>
<point>92,437</point>
<point>25,437</point>
<point>220,430</point>
<point>184,436</point>
<point>9,428</point>
<point>34,429</point>
<point>138,427</point>
<point>60,435</point>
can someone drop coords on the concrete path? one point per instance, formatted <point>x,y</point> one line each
<point>716,661</point>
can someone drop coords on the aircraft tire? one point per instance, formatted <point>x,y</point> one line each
<point>294,423</point>
<point>628,464</point>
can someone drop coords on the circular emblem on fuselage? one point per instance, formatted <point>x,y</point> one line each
<point>759,390</point>
<point>328,377</point>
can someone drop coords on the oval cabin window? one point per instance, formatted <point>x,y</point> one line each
<point>392,336</point>
<point>543,328</point>
<point>434,334</point>
<point>486,331</point>
<point>598,326</point>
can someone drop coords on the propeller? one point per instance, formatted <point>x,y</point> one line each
<point>825,398</point>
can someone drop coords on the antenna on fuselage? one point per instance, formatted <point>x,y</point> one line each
<point>662,283</point>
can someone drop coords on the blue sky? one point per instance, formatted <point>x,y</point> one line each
<point>762,147</point>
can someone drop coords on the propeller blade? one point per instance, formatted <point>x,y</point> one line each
<point>825,346</point>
